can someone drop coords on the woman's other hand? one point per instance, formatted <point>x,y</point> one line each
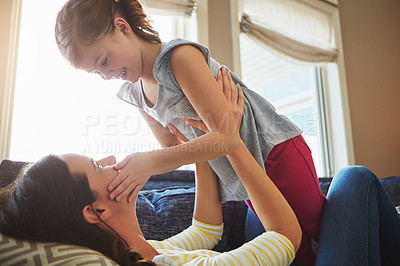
<point>235,100</point>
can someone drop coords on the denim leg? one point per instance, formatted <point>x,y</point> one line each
<point>355,212</point>
<point>389,230</point>
<point>253,226</point>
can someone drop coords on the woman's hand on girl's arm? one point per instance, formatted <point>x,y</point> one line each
<point>235,101</point>
<point>136,169</point>
<point>193,75</point>
<point>276,215</point>
<point>214,111</point>
<point>208,208</point>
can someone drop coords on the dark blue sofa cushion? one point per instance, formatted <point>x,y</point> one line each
<point>165,204</point>
<point>165,212</point>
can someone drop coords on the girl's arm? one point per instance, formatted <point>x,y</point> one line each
<point>162,134</point>
<point>194,76</point>
<point>137,168</point>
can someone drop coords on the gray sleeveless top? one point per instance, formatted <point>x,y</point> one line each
<point>261,128</point>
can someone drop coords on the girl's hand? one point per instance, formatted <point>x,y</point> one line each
<point>134,172</point>
<point>235,100</point>
<point>178,134</point>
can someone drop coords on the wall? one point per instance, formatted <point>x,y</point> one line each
<point>220,37</point>
<point>371,44</point>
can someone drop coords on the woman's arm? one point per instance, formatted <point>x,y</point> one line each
<point>207,207</point>
<point>274,212</point>
<point>198,236</point>
<point>207,228</point>
<point>200,87</point>
<point>272,208</point>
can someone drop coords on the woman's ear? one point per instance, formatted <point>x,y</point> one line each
<point>122,25</point>
<point>93,218</point>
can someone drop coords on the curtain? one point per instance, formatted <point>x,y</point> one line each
<point>290,29</point>
<point>170,7</point>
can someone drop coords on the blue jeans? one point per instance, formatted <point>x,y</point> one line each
<point>360,225</point>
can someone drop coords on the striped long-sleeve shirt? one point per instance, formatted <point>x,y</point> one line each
<point>193,247</point>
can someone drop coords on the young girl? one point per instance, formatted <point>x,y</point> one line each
<point>172,81</point>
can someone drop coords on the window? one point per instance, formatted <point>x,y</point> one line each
<point>301,31</point>
<point>59,109</point>
<point>294,90</point>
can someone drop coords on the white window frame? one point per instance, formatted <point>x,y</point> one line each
<point>335,98</point>
<point>11,18</point>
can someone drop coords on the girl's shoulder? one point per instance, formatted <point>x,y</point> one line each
<point>163,60</point>
<point>162,66</point>
<point>168,47</point>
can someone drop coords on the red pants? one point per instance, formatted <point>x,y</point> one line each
<point>290,166</point>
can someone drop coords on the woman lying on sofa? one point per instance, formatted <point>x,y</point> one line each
<point>65,199</point>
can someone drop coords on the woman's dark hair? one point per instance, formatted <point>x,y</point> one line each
<point>45,204</point>
<point>82,22</point>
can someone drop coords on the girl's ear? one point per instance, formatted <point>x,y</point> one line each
<point>91,217</point>
<point>122,25</point>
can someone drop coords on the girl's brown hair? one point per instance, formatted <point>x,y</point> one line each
<point>82,22</point>
<point>45,204</point>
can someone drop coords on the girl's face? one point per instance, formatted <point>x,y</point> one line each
<point>114,56</point>
<point>99,173</point>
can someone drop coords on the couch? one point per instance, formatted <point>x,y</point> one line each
<point>164,208</point>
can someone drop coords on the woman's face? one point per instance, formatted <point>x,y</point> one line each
<point>99,173</point>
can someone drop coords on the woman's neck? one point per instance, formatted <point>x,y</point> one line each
<point>127,226</point>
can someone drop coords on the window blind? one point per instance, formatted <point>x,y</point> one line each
<point>170,7</point>
<point>290,29</point>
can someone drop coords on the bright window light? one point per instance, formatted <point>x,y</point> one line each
<point>292,90</point>
<point>59,109</point>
